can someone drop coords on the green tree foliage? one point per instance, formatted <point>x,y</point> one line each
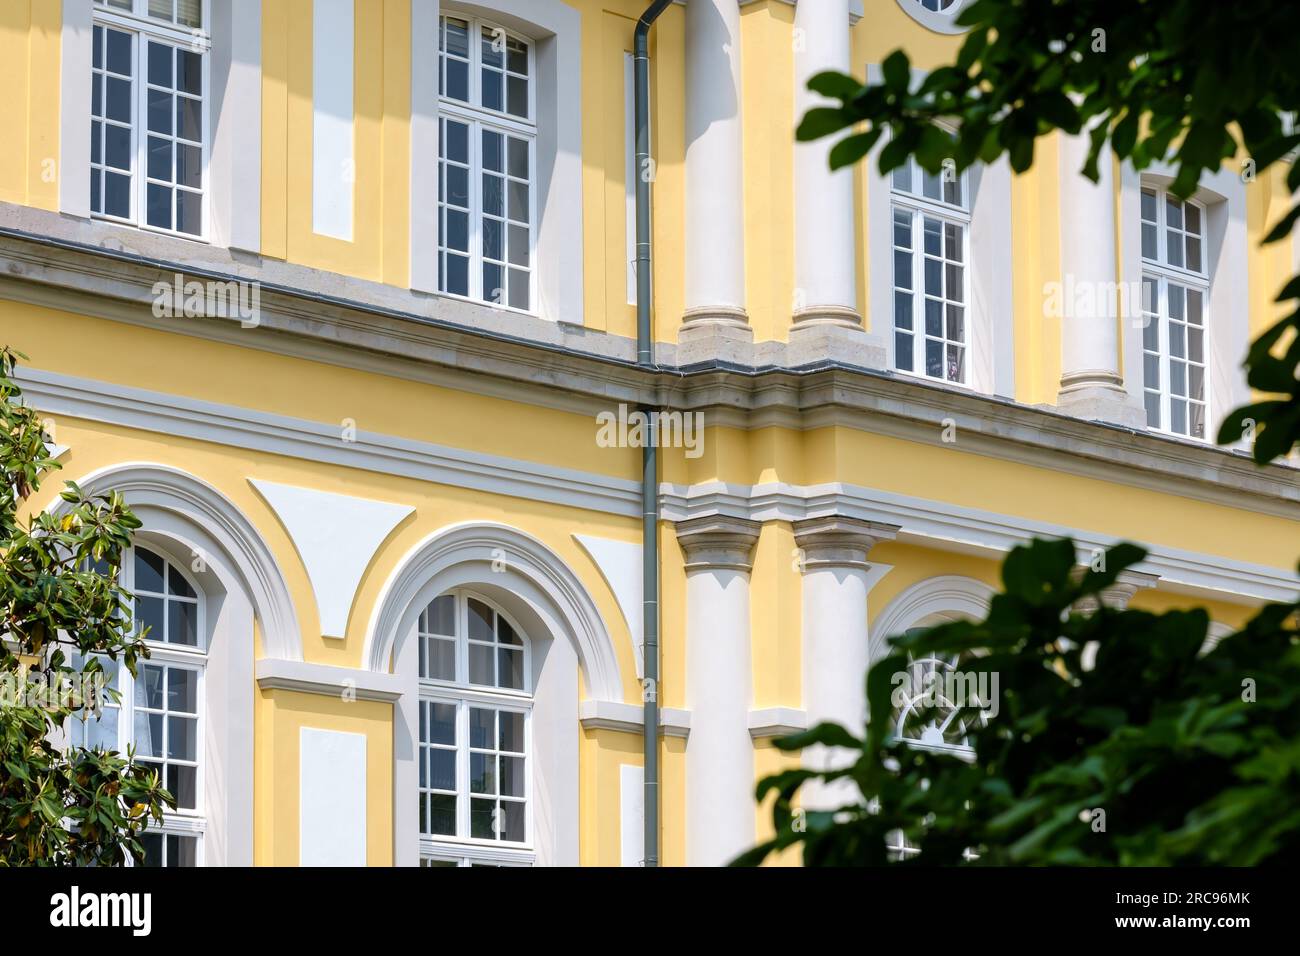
<point>1120,737</point>
<point>62,612</point>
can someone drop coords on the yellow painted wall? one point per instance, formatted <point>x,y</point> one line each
<point>30,32</point>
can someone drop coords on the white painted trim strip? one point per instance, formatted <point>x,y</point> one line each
<point>631,812</point>
<point>346,683</point>
<point>333,162</point>
<point>628,718</point>
<point>249,429</point>
<point>970,530</point>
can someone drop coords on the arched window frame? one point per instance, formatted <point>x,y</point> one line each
<point>178,839</point>
<point>461,848</point>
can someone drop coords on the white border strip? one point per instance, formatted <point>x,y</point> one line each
<point>138,408</point>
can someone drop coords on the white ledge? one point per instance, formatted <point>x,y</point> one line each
<point>767,722</point>
<point>628,718</point>
<point>345,682</point>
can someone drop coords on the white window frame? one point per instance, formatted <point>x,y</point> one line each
<point>940,21</point>
<point>479,118</point>
<point>181,821</point>
<point>919,206</point>
<point>143,27</point>
<point>1163,273</point>
<point>461,848</point>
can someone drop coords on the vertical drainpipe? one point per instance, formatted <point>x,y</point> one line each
<point>649,456</point>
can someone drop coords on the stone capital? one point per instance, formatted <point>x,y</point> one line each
<point>716,541</point>
<point>838,542</point>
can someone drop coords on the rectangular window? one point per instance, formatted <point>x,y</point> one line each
<point>148,124</point>
<point>486,163</point>
<point>929,235</point>
<point>473,771</point>
<point>1175,293</point>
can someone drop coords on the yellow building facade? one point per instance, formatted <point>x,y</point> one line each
<point>341,295</point>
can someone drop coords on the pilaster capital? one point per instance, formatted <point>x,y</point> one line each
<point>838,542</point>
<point>717,541</point>
<point>1117,596</point>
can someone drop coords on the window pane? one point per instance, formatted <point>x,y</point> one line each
<point>1149,242</point>
<point>442,724</point>
<point>1153,410</point>
<point>518,200</point>
<point>933,277</point>
<point>117,195</point>
<point>933,317</point>
<point>519,289</point>
<point>1193,219</point>
<point>442,769</point>
<point>512,776</point>
<point>511,738</point>
<point>931,231</point>
<point>189,72</point>
<point>119,52</point>
<point>149,615</point>
<point>518,156</point>
<point>491,89</point>
<point>903,177</point>
<point>1173,212</point>
<point>160,64</point>
<point>442,814</point>
<point>117,147</point>
<point>1193,253</point>
<point>160,159</point>
<point>182,738</point>
<point>189,212</point>
<point>903,351</point>
<point>1175,248</point>
<point>1149,205</point>
<point>480,665</point>
<point>189,165</point>
<point>517,96</point>
<point>160,111</point>
<point>510,668</point>
<point>182,690</point>
<point>482,727</point>
<point>902,310</point>
<point>182,623</point>
<point>189,115</point>
<point>118,100</point>
<point>147,734</point>
<point>934,358</point>
<point>482,773</point>
<point>513,821</point>
<point>902,269</point>
<point>481,816</point>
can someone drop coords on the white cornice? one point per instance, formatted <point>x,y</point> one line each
<point>472,348</point>
<point>972,531</point>
<point>346,683</point>
<point>768,722</point>
<point>629,718</point>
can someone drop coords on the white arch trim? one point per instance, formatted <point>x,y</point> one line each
<point>564,599</point>
<point>170,489</point>
<point>951,595</point>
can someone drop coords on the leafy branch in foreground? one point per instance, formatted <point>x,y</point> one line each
<point>62,612</point>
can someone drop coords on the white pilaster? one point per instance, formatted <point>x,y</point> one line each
<point>720,809</point>
<point>836,651</point>
<point>1091,383</point>
<point>715,220</point>
<point>825,273</point>
<point>1115,597</point>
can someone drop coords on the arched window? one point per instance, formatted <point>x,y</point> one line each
<point>159,710</point>
<point>486,182</point>
<point>937,15</point>
<point>936,713</point>
<point>475,705</point>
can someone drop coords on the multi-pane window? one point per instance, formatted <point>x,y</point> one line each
<point>157,711</point>
<point>148,124</point>
<point>1175,299</point>
<point>486,159</point>
<point>474,711</point>
<point>930,225</point>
